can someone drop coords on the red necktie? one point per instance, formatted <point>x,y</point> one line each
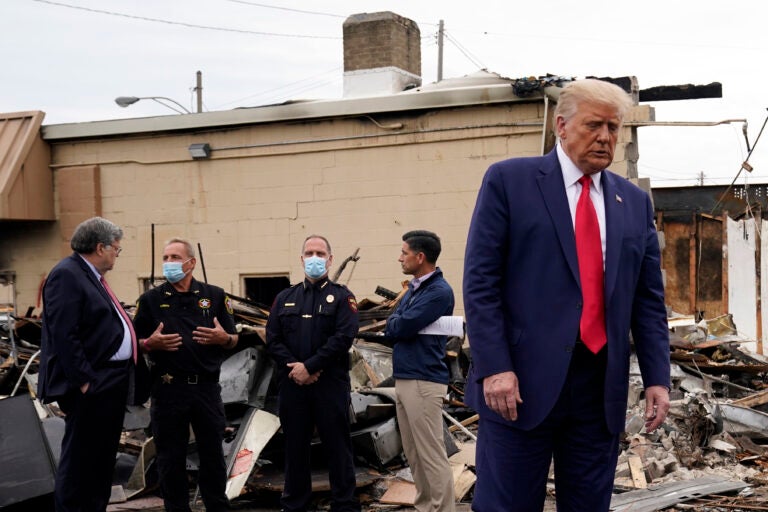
<point>124,315</point>
<point>589,249</point>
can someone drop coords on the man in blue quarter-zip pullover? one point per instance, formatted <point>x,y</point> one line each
<point>420,372</point>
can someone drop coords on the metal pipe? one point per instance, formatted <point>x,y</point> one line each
<point>529,124</point>
<point>683,123</point>
<point>24,372</point>
<point>202,262</point>
<point>199,91</point>
<point>461,427</point>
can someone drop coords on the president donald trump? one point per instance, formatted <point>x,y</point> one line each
<point>562,262</point>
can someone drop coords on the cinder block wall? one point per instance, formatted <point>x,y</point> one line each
<point>252,206</point>
<point>380,40</point>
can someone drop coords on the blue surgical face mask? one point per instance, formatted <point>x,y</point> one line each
<point>314,267</point>
<point>173,272</point>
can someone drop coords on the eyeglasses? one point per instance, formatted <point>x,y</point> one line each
<point>118,250</point>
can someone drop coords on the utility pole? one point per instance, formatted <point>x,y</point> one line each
<point>440,52</point>
<point>199,91</point>
<point>701,179</point>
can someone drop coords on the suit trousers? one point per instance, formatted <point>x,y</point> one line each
<point>420,420</point>
<point>93,423</point>
<point>512,465</point>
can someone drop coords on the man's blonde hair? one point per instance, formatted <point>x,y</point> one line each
<point>591,90</point>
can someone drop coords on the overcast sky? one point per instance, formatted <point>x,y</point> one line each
<point>71,58</point>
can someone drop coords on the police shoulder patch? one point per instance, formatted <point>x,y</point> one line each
<point>228,304</point>
<point>352,303</point>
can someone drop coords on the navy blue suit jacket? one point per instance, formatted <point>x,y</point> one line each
<point>522,293</point>
<point>81,331</point>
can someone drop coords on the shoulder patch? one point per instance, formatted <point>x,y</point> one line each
<point>228,304</point>
<point>352,303</point>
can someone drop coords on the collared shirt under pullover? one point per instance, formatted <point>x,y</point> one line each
<point>421,356</point>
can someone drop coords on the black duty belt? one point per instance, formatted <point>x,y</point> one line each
<point>174,377</point>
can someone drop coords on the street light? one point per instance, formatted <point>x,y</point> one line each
<point>125,101</point>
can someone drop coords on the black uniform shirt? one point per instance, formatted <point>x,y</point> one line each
<point>313,323</point>
<point>181,313</point>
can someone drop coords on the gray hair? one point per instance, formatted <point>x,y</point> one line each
<point>92,232</point>
<point>591,90</point>
<point>186,243</point>
<point>327,243</point>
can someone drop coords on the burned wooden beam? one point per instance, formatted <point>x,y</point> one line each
<point>386,293</point>
<point>682,92</point>
<point>668,92</point>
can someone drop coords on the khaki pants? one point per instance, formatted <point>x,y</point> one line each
<point>419,417</point>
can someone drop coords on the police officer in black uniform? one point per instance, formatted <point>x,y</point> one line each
<point>309,333</point>
<point>186,327</point>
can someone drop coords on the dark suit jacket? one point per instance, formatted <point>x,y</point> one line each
<point>522,293</point>
<point>81,331</point>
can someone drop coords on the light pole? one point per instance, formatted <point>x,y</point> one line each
<point>125,101</point>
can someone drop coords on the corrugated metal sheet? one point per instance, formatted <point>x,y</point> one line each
<point>26,182</point>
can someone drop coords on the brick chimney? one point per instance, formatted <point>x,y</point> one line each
<point>382,54</point>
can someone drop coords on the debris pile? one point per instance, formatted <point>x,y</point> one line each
<point>711,452</point>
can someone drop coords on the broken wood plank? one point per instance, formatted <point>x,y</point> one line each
<point>463,481</point>
<point>750,446</point>
<point>375,380</point>
<point>376,326</point>
<point>399,492</point>
<point>636,472</point>
<point>465,455</point>
<point>753,400</point>
<point>682,92</point>
<point>466,422</point>
<point>624,483</point>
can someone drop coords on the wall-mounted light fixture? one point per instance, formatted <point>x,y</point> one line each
<point>200,150</point>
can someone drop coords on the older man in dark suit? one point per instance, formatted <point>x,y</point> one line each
<point>88,351</point>
<point>562,261</point>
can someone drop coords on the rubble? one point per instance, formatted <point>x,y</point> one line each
<point>710,454</point>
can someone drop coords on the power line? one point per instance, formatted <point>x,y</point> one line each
<point>744,165</point>
<point>287,9</point>
<point>296,87</point>
<point>464,51</point>
<point>637,42</point>
<point>181,23</point>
